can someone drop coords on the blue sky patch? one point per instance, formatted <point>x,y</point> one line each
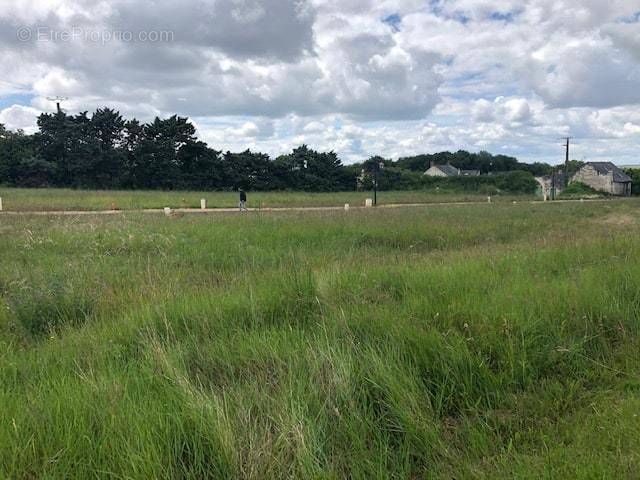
<point>503,16</point>
<point>461,17</point>
<point>635,18</point>
<point>435,7</point>
<point>16,99</point>
<point>394,21</point>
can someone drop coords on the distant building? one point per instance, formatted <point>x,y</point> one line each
<point>552,185</point>
<point>442,171</point>
<point>605,177</point>
<point>450,171</point>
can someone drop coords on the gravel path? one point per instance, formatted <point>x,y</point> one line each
<point>285,209</point>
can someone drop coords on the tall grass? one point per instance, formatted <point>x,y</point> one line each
<point>65,199</point>
<point>460,342</point>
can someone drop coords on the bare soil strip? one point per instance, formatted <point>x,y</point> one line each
<point>289,209</point>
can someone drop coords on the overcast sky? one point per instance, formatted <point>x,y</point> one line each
<point>361,77</point>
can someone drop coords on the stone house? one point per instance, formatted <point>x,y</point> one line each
<point>605,177</point>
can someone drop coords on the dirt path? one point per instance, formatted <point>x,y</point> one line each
<point>289,209</point>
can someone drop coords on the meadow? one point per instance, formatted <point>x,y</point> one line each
<point>477,341</point>
<point>24,199</point>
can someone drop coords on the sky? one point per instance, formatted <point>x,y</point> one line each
<point>360,77</point>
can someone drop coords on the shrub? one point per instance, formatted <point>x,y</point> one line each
<point>578,189</point>
<point>634,173</point>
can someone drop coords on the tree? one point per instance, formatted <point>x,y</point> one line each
<point>248,170</point>
<point>104,150</point>
<point>573,166</point>
<point>482,161</point>
<point>53,144</point>
<point>634,173</point>
<point>200,167</point>
<point>106,131</point>
<point>20,163</point>
<point>133,135</point>
<point>156,159</point>
<point>309,170</point>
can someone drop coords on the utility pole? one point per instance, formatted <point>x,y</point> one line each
<point>58,101</point>
<point>376,180</point>
<point>566,160</point>
<point>376,170</point>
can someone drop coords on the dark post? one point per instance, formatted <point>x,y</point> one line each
<point>376,179</point>
<point>58,101</point>
<point>376,168</point>
<point>566,161</point>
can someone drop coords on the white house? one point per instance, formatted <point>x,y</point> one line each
<point>450,171</point>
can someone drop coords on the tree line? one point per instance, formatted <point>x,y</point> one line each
<point>105,151</point>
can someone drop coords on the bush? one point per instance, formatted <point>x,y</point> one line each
<point>634,173</point>
<point>509,182</point>
<point>578,190</point>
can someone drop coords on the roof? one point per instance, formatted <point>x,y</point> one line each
<point>447,169</point>
<point>469,173</point>
<point>604,168</point>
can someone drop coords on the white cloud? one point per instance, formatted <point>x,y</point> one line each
<point>505,75</point>
<point>19,117</point>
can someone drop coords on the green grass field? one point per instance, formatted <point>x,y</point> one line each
<point>63,199</point>
<point>479,341</point>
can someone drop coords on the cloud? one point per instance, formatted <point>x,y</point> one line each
<point>19,117</point>
<point>390,77</point>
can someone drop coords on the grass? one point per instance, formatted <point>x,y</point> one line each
<point>460,342</point>
<point>65,199</point>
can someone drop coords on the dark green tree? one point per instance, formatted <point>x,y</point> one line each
<point>248,170</point>
<point>107,129</point>
<point>156,159</point>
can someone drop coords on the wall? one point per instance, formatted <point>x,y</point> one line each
<point>589,176</point>
<point>621,189</point>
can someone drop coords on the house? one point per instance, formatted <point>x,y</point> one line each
<point>442,171</point>
<point>450,171</point>
<point>605,177</point>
